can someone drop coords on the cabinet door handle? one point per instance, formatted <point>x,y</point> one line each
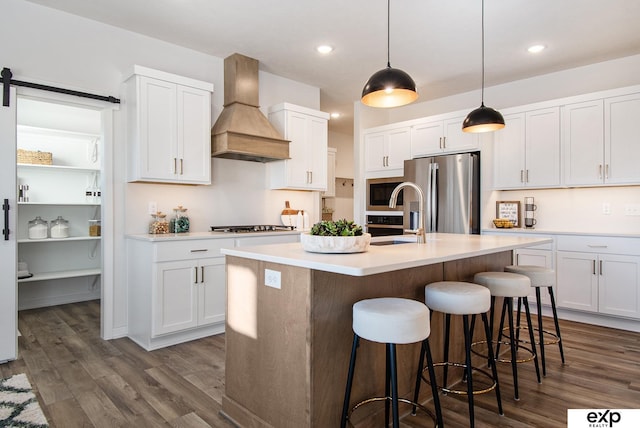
<point>517,259</point>
<point>600,267</point>
<point>594,267</point>
<point>175,165</point>
<point>196,269</point>
<point>201,274</point>
<point>606,171</point>
<point>5,208</point>
<point>527,176</point>
<point>310,177</point>
<point>440,142</point>
<point>444,142</point>
<point>181,166</point>
<point>522,176</point>
<point>200,251</point>
<point>600,171</point>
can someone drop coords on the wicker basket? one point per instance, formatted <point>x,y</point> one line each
<point>36,158</point>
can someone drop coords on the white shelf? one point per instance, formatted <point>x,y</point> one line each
<point>79,204</point>
<point>48,131</point>
<point>62,274</point>
<point>71,238</point>
<point>57,167</point>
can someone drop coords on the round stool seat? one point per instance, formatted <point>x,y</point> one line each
<point>504,284</point>
<point>391,320</point>
<point>539,276</point>
<point>457,298</point>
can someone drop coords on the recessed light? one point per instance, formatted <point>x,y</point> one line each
<point>324,49</point>
<point>335,115</point>
<point>536,48</point>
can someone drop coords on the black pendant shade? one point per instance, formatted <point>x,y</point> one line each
<point>389,87</point>
<point>483,119</point>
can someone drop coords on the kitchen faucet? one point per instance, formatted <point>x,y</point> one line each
<point>392,204</point>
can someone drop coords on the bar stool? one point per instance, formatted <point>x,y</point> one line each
<point>509,285</point>
<point>542,277</point>
<point>391,321</point>
<point>462,298</point>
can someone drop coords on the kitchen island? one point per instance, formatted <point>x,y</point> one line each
<point>288,342</point>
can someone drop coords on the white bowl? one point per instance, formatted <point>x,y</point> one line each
<point>335,244</point>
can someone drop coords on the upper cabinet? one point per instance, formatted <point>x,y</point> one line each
<point>433,137</point>
<point>307,130</point>
<point>527,150</point>
<point>169,129</point>
<point>386,150</point>
<point>621,139</point>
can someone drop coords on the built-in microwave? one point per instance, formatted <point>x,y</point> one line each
<point>379,191</point>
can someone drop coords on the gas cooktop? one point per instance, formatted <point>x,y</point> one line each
<point>251,228</point>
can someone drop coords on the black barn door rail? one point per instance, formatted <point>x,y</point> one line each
<point>7,81</point>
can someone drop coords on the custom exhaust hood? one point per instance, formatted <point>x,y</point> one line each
<point>242,132</point>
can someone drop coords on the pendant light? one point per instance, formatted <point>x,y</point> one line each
<point>389,87</point>
<point>483,119</point>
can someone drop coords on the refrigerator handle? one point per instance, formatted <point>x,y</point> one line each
<point>434,198</point>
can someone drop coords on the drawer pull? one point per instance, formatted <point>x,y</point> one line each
<point>596,246</point>
<point>200,251</point>
<point>196,269</point>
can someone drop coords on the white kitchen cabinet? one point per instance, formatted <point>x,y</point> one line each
<point>527,150</point>
<point>307,130</point>
<point>188,294</point>
<point>622,143</point>
<point>386,150</point>
<point>331,174</point>
<point>583,143</point>
<point>599,274</point>
<point>436,136</point>
<point>169,128</point>
<point>541,255</point>
<point>63,270</point>
<point>177,290</point>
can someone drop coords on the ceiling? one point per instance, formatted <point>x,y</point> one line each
<point>437,42</point>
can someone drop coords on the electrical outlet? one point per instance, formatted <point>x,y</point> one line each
<point>153,208</point>
<point>272,278</point>
<point>632,209</point>
<point>606,208</point>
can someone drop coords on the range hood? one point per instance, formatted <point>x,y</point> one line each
<point>242,132</point>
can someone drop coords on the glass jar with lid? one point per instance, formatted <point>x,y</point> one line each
<point>159,224</point>
<point>180,222</point>
<point>38,228</point>
<point>95,228</point>
<point>59,228</point>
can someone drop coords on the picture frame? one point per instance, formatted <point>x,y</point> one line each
<point>509,210</point>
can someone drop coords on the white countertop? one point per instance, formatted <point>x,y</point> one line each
<point>440,247</point>
<point>534,231</point>
<point>206,235</point>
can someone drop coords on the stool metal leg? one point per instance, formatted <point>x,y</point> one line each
<point>447,331</point>
<point>387,384</point>
<point>508,303</point>
<point>502,315</point>
<point>494,370</point>
<point>555,320</point>
<point>540,332</point>
<point>467,348</point>
<point>394,384</point>
<point>347,393</point>
<point>416,390</point>
<point>531,338</point>
<point>434,386</point>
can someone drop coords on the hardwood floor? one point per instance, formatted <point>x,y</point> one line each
<point>83,381</point>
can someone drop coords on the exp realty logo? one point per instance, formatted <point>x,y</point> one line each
<point>603,418</point>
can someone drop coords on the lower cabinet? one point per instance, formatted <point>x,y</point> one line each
<point>177,290</point>
<point>188,294</point>
<point>540,255</point>
<point>599,274</point>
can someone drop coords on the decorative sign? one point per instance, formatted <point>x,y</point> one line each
<point>509,210</point>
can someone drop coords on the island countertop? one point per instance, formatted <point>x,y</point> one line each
<point>439,247</point>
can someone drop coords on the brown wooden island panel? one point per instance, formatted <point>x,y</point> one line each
<point>288,349</point>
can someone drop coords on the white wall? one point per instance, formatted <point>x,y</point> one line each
<point>576,210</point>
<point>52,47</point>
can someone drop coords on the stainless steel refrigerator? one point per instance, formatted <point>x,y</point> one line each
<point>451,186</point>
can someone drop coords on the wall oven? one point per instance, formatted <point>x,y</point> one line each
<point>379,191</point>
<point>385,225</point>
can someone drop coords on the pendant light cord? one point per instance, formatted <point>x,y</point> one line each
<point>482,96</point>
<point>388,33</point>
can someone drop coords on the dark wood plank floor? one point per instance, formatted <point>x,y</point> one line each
<point>83,381</point>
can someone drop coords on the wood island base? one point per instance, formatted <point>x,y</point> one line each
<point>288,348</point>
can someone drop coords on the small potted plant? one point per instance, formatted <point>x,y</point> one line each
<point>341,236</point>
